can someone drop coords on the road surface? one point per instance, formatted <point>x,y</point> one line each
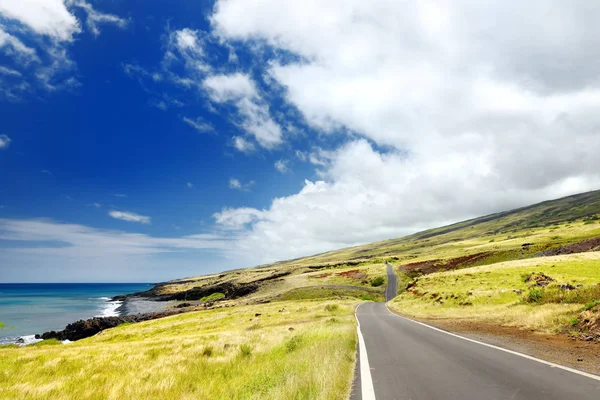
<point>407,360</point>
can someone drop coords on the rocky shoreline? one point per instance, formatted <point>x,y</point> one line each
<point>85,328</point>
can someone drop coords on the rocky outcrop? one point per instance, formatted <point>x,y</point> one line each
<point>86,328</point>
<point>229,289</point>
<point>580,247</point>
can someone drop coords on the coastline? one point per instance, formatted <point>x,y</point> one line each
<point>129,307</point>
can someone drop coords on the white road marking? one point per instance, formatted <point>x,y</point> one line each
<point>551,364</point>
<point>366,382</point>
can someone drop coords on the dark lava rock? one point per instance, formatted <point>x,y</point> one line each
<point>183,305</point>
<point>86,328</point>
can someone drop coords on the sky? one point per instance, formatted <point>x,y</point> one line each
<point>146,140</point>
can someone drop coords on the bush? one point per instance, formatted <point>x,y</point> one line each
<point>380,280</point>
<point>331,307</point>
<point>293,343</point>
<point>246,350</point>
<point>208,351</point>
<point>534,295</point>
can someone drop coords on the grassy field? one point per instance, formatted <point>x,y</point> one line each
<point>546,294</point>
<point>292,350</point>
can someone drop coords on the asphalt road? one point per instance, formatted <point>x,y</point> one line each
<point>410,361</point>
<point>392,287</point>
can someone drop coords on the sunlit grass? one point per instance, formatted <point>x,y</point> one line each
<point>497,293</point>
<point>292,350</point>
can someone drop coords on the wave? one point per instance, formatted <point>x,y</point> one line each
<point>109,308</point>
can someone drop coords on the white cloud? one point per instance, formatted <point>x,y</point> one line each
<point>95,17</point>
<point>129,216</point>
<point>186,46</point>
<point>50,27</point>
<point>240,90</point>
<point>16,48</point>
<point>234,184</point>
<point>189,185</point>
<point>4,142</point>
<point>45,17</point>
<point>463,108</point>
<point>97,205</point>
<point>243,145</point>
<point>83,241</point>
<point>199,124</point>
<point>237,218</point>
<point>282,166</point>
<point>9,72</point>
<point>300,155</point>
<point>237,185</point>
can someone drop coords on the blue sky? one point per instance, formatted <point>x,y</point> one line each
<point>149,140</point>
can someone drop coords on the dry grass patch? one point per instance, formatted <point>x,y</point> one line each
<point>295,350</point>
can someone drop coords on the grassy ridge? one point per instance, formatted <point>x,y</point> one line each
<point>292,350</point>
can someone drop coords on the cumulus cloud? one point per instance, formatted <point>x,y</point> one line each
<point>4,142</point>
<point>45,17</point>
<point>241,91</point>
<point>129,216</point>
<point>447,110</point>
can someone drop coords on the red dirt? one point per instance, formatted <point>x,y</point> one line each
<point>430,266</point>
<point>354,274</point>
<point>322,275</point>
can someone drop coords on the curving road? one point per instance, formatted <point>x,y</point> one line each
<point>407,360</point>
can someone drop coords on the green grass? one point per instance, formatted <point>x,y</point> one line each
<point>313,293</point>
<point>499,294</point>
<point>297,353</point>
<point>212,297</point>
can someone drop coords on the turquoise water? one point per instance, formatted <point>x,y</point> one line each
<point>30,308</point>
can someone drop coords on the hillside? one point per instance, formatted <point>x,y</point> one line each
<point>549,228</point>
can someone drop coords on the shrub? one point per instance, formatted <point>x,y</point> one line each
<point>534,295</point>
<point>331,307</point>
<point>208,351</point>
<point>246,350</point>
<point>293,343</point>
<point>380,280</point>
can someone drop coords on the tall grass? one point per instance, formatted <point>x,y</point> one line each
<point>200,355</point>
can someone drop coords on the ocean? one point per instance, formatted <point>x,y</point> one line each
<point>30,308</point>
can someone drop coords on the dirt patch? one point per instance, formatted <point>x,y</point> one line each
<point>321,276</point>
<point>588,325</point>
<point>560,348</point>
<point>580,247</point>
<point>353,274</point>
<point>539,279</point>
<point>431,266</point>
